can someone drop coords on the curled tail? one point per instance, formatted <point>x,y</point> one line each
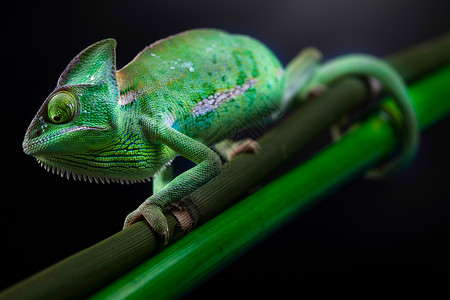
<point>303,74</point>
<point>392,82</point>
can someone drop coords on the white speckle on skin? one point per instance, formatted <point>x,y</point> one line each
<point>43,126</point>
<point>209,49</point>
<point>189,65</point>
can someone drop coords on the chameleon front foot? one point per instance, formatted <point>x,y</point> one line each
<point>154,216</point>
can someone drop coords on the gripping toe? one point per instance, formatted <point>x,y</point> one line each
<point>155,218</point>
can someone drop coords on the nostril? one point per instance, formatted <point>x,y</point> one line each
<point>38,132</point>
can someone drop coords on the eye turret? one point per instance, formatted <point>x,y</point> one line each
<point>61,107</point>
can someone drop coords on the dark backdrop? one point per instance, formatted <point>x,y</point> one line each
<point>375,235</point>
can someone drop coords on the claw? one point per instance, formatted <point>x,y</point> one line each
<point>316,91</point>
<point>245,146</point>
<point>229,149</point>
<point>155,218</point>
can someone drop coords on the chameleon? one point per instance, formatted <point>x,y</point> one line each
<point>180,96</point>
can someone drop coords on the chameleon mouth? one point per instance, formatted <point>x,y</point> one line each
<point>30,145</point>
<point>87,177</point>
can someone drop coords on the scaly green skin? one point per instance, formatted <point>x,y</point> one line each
<point>178,96</point>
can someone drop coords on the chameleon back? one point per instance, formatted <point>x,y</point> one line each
<point>205,83</point>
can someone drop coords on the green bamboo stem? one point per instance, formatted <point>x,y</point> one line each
<point>219,241</point>
<point>86,271</point>
<point>416,62</point>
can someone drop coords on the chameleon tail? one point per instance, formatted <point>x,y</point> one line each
<point>358,64</point>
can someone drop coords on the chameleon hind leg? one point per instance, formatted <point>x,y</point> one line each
<point>230,149</point>
<point>208,165</point>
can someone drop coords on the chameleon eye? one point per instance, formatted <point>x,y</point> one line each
<point>61,107</point>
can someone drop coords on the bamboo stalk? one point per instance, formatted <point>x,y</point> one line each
<point>85,272</point>
<point>416,62</point>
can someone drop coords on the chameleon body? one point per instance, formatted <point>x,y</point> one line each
<point>178,96</point>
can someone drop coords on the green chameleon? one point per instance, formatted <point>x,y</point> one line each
<point>179,96</point>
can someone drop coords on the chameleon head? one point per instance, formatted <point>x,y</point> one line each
<point>76,121</point>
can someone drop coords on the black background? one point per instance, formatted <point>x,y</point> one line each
<point>375,235</point>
